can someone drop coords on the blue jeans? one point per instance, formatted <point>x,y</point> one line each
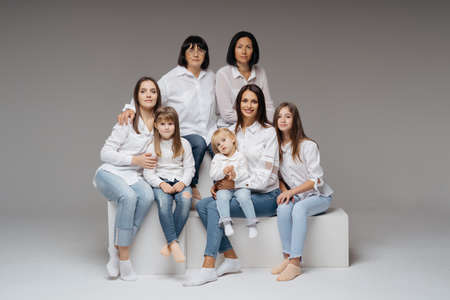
<point>172,222</point>
<point>243,196</point>
<point>199,148</point>
<point>132,204</point>
<point>292,221</point>
<point>265,205</point>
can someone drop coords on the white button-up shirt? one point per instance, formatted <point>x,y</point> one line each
<point>181,168</point>
<point>237,160</point>
<point>229,82</point>
<point>121,146</point>
<point>260,147</point>
<point>193,99</point>
<point>295,172</point>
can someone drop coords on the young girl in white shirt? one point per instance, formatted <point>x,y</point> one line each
<point>171,178</point>
<point>120,179</point>
<point>304,192</point>
<point>228,163</point>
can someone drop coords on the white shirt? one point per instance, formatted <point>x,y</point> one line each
<point>237,160</point>
<point>121,146</point>
<point>295,173</point>
<point>181,168</point>
<point>229,82</point>
<point>193,99</point>
<point>260,147</point>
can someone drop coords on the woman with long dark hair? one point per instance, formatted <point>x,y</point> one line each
<point>257,141</point>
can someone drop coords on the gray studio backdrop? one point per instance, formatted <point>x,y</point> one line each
<point>372,79</point>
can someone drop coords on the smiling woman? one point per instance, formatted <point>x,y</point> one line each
<point>242,69</point>
<point>187,86</point>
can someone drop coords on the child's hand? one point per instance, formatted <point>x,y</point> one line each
<point>227,170</point>
<point>232,174</point>
<point>167,188</point>
<point>285,197</point>
<point>179,186</point>
<point>213,191</point>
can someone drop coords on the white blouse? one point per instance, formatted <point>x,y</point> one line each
<point>260,147</point>
<point>229,82</point>
<point>237,160</point>
<point>181,168</point>
<point>121,146</point>
<point>193,99</point>
<point>295,172</point>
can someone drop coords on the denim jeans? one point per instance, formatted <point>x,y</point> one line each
<point>243,196</point>
<point>172,222</point>
<point>199,148</point>
<point>265,205</point>
<point>292,221</point>
<point>132,204</point>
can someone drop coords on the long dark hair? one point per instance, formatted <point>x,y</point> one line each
<point>137,87</point>
<point>192,41</point>
<point>296,133</point>
<point>261,115</point>
<point>231,58</point>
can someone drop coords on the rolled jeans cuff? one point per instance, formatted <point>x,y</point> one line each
<point>252,222</point>
<point>124,237</point>
<point>225,220</point>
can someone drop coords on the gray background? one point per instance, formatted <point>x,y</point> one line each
<point>372,79</point>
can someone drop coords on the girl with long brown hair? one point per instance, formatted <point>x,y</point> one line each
<point>304,192</point>
<point>171,178</point>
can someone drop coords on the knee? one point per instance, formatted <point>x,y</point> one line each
<point>198,142</point>
<point>201,205</point>
<point>128,198</point>
<point>284,210</point>
<point>186,195</point>
<point>147,196</point>
<point>299,211</point>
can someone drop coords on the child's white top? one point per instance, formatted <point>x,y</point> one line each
<point>220,161</point>
<point>181,168</point>
<point>259,145</point>
<point>295,172</point>
<point>121,146</point>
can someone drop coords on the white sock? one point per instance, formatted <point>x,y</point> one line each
<point>203,276</point>
<point>126,271</point>
<point>252,232</point>
<point>229,265</point>
<point>112,267</point>
<point>228,229</point>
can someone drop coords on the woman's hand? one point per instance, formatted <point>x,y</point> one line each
<point>167,188</point>
<point>285,197</point>
<point>225,184</point>
<point>179,186</point>
<point>213,191</point>
<point>124,116</point>
<point>146,161</point>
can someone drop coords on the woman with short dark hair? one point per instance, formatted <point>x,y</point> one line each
<point>189,88</point>
<point>241,69</point>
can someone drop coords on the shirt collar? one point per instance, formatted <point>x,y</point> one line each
<point>143,128</point>
<point>285,148</point>
<point>184,71</point>
<point>254,127</point>
<point>235,73</point>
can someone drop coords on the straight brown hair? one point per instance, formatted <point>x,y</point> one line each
<point>261,115</point>
<point>168,113</point>
<point>137,107</point>
<point>296,133</point>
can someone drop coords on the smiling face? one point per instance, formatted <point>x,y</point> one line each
<point>249,105</point>
<point>285,119</point>
<point>147,95</point>
<point>225,143</point>
<point>166,128</point>
<point>243,50</point>
<point>195,56</point>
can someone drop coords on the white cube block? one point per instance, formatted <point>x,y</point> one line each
<point>149,240</point>
<point>326,244</point>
